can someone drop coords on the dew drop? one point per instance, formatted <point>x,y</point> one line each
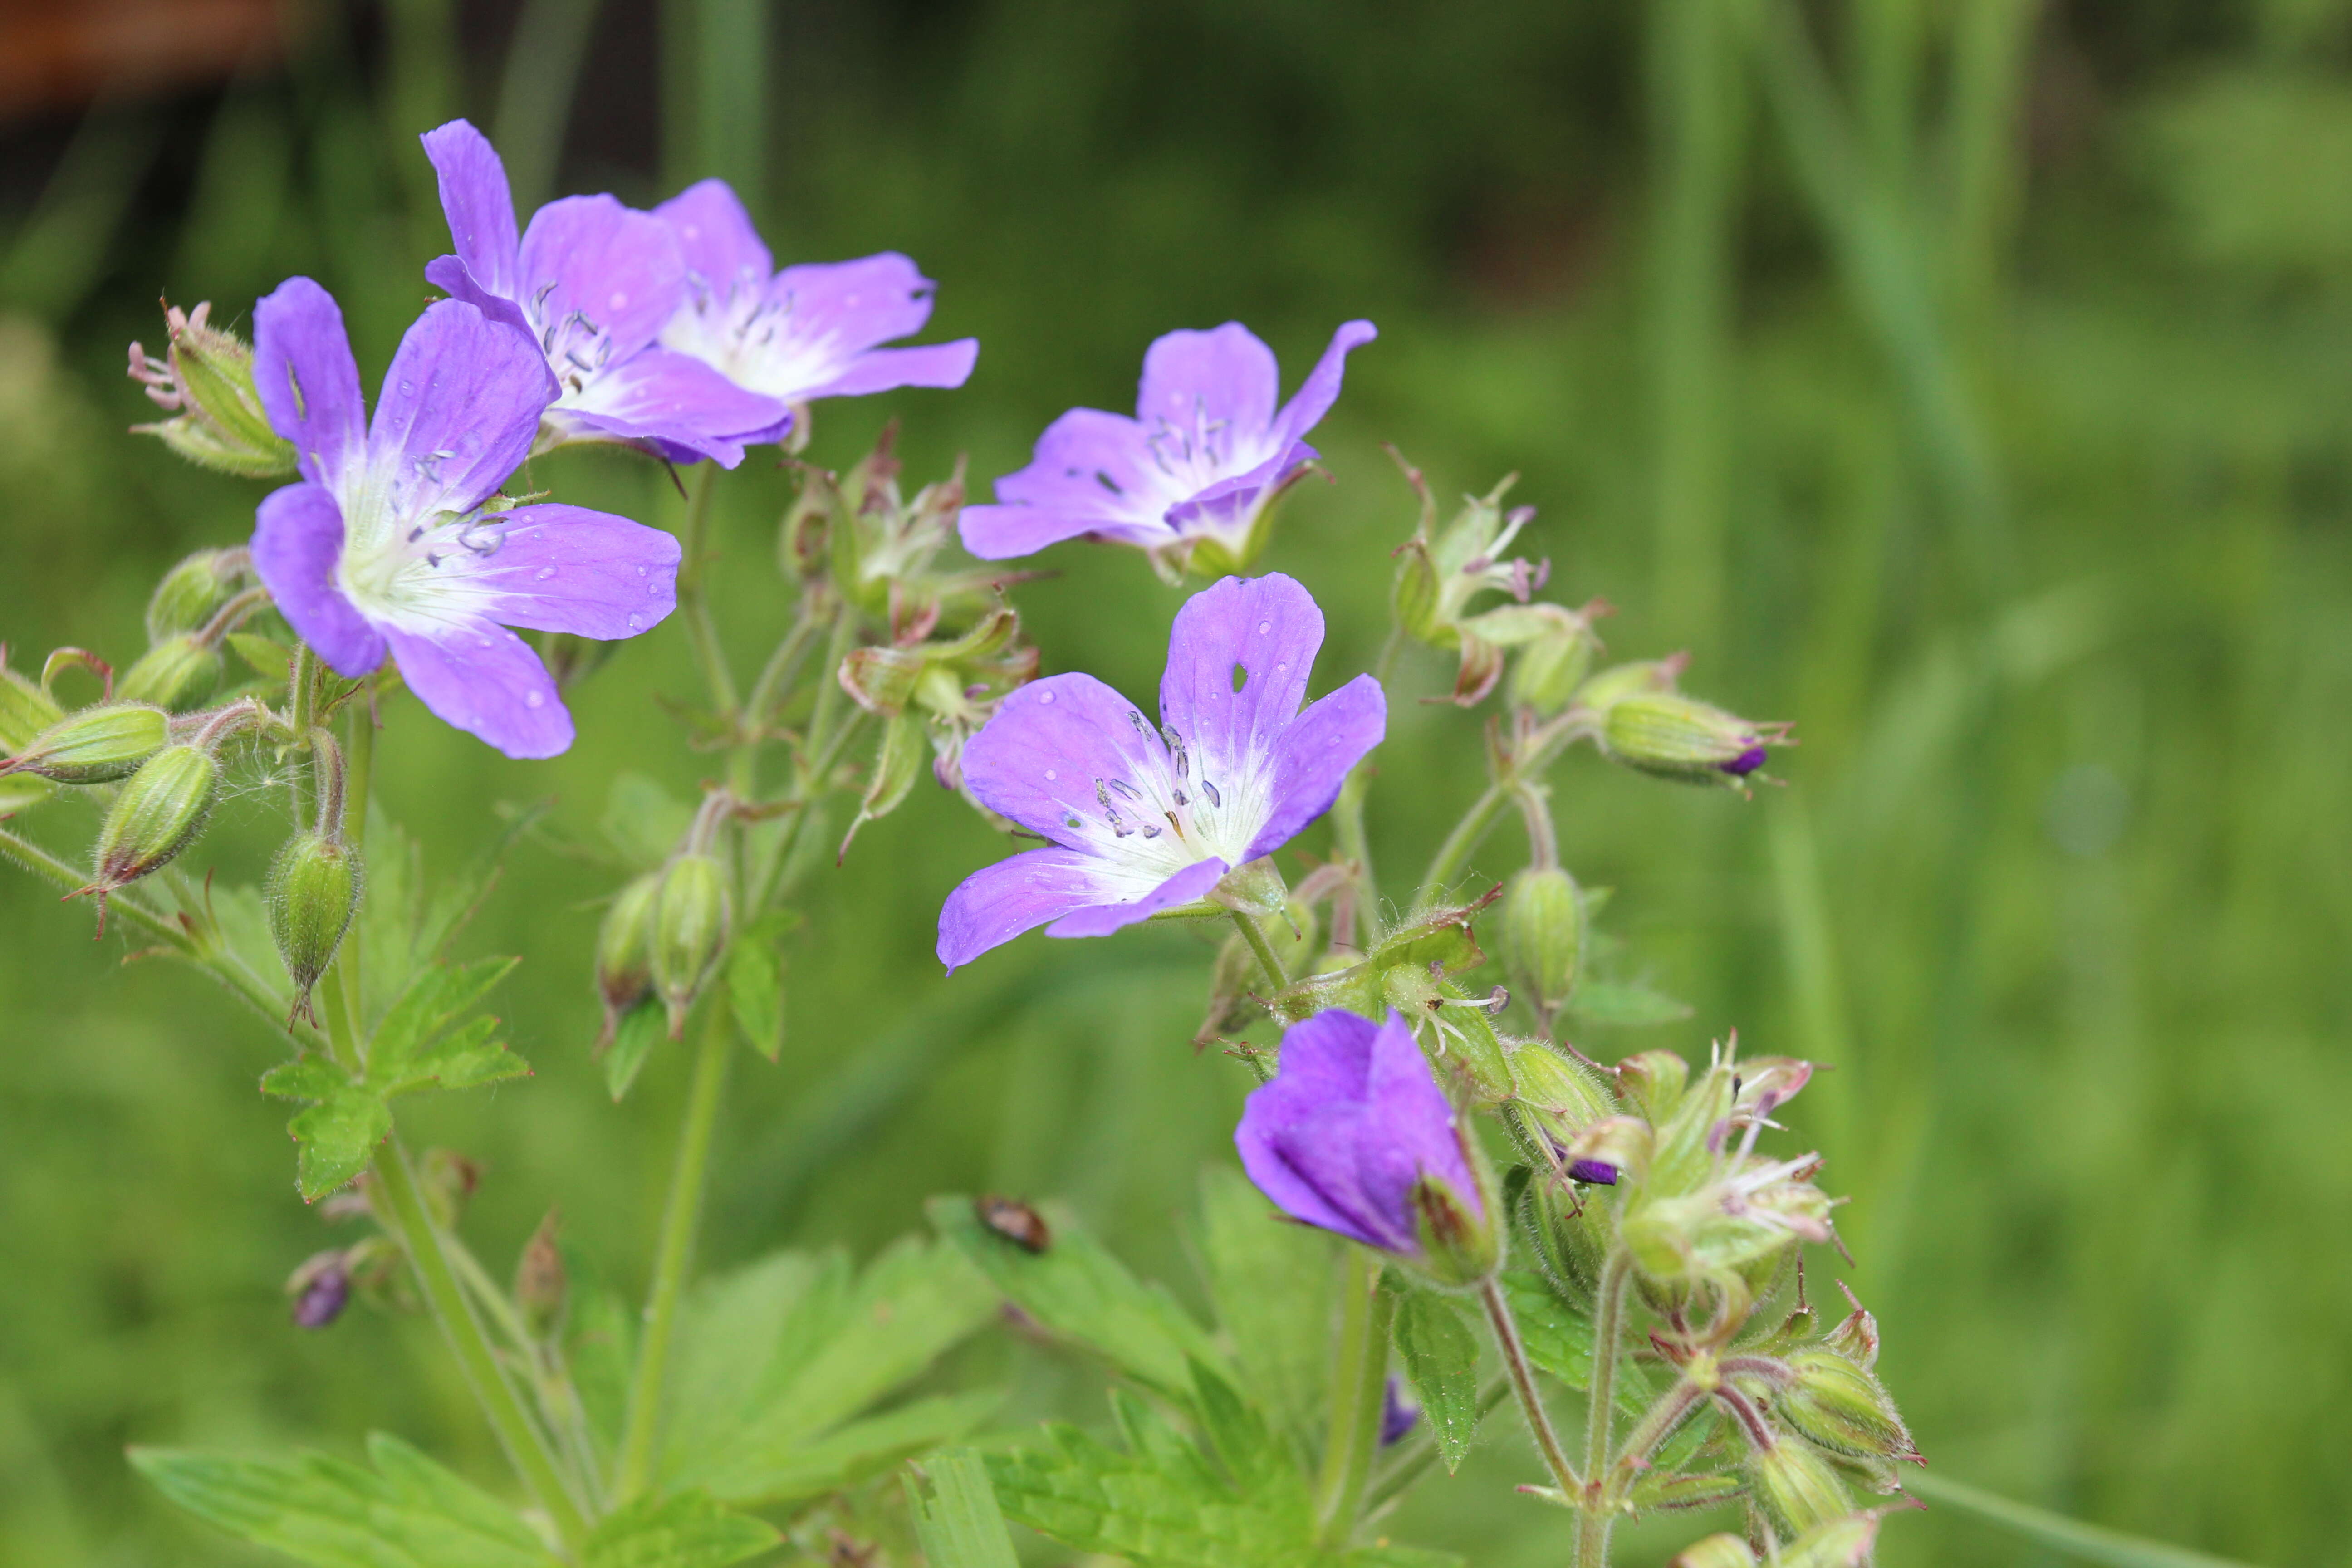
<point>1044,696</point>
<point>407,389</point>
<point>1051,775</point>
<point>544,573</point>
<point>1264,628</point>
<point>1280,666</point>
<point>534,699</point>
<point>636,621</point>
<point>641,571</point>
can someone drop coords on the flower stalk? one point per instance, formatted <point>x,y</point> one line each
<point>1359,1392</point>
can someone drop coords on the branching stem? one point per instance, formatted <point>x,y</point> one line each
<point>1523,1384</point>
<point>1268,959</point>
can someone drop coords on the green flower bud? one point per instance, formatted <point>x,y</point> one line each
<point>1670,736</point>
<point>1415,595</point>
<point>625,951</point>
<point>1840,1407</point>
<point>96,745</point>
<point>1653,1081</point>
<point>1841,1544</point>
<point>206,380</point>
<point>1556,1094</point>
<point>177,673</point>
<point>1569,1231</point>
<point>158,813</point>
<point>26,709</point>
<point>314,891</point>
<point>1461,1245</point>
<point>540,1281</point>
<point>1799,1489</point>
<point>1550,668</point>
<point>899,760</point>
<point>1604,690</point>
<point>1543,935</point>
<point>192,592</point>
<point>1716,1552</point>
<point>691,920</point>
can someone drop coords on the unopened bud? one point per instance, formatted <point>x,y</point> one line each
<point>1716,1552</point>
<point>26,709</point>
<point>540,1282</point>
<point>321,1289</point>
<point>1855,1338</point>
<point>1556,1094</point>
<point>625,951</point>
<point>96,745</point>
<point>1799,1489</point>
<point>158,813</point>
<point>314,891</point>
<point>899,762</point>
<point>691,917</point>
<point>206,380</point>
<point>1655,1082</point>
<point>177,673</point>
<point>1550,668</point>
<point>1460,1244</point>
<point>1569,1232</point>
<point>1416,596</point>
<point>1670,736</point>
<point>1842,1407</point>
<point>1543,936</point>
<point>192,592</point>
<point>1846,1543</point>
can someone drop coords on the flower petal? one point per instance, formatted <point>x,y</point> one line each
<point>309,382</point>
<point>1224,379</point>
<point>567,569</point>
<point>1192,882</point>
<point>1312,756</point>
<point>1092,472</point>
<point>714,235</point>
<point>1263,630</point>
<point>998,903</point>
<point>1321,388</point>
<point>298,538</point>
<point>480,677</point>
<point>458,410</point>
<point>622,271</point>
<point>480,207</point>
<point>1037,760</point>
<point>1409,1127</point>
<point>660,394</point>
<point>1299,1134</point>
<point>885,370</point>
<point>850,306</point>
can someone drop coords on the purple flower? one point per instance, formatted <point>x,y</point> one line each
<point>1399,1415</point>
<point>1205,455</point>
<point>394,541</point>
<point>806,332</point>
<point>1143,817</point>
<point>592,283</point>
<point>1354,1135</point>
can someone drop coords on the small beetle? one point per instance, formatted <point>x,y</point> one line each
<point>1013,1220</point>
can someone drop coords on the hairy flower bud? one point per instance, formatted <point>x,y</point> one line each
<point>1606,689</point>
<point>1554,1093</point>
<point>206,380</point>
<point>314,891</point>
<point>1552,665</point>
<point>692,916</point>
<point>541,1283</point>
<point>193,591</point>
<point>1543,936</point>
<point>96,745</point>
<point>1670,736</point>
<point>1569,1232</point>
<point>321,1289</point>
<point>1799,1489</point>
<point>1841,1544</point>
<point>158,813</point>
<point>624,951</point>
<point>1716,1552</point>
<point>1840,1407</point>
<point>1460,1244</point>
<point>177,673</point>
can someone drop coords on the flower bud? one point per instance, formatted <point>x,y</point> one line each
<point>1716,1552</point>
<point>1841,1544</point>
<point>177,673</point>
<point>1569,1232</point>
<point>206,380</point>
<point>1460,1243</point>
<point>625,951</point>
<point>1670,736</point>
<point>314,891</point>
<point>899,760</point>
<point>1550,668</point>
<point>541,1283</point>
<point>1842,1408</point>
<point>1543,934</point>
<point>96,745</point>
<point>192,592</point>
<point>321,1289</point>
<point>1799,1489</point>
<point>25,708</point>
<point>158,813</point>
<point>1605,690</point>
<point>1855,1338</point>
<point>1653,1081</point>
<point>1555,1093</point>
<point>691,919</point>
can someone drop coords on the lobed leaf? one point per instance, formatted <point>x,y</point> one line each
<point>1440,1356</point>
<point>686,1529</point>
<point>958,1524</point>
<point>1275,1286</point>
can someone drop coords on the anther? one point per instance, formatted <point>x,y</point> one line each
<point>1211,790</point>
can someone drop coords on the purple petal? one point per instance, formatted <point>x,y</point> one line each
<point>716,236</point>
<point>480,677</point>
<point>1410,1126</point>
<point>1224,379</point>
<point>309,382</point>
<point>1311,758</point>
<point>1092,472</point>
<point>1037,760</point>
<point>1299,1134</point>
<point>661,395</point>
<point>851,306</point>
<point>1321,388</point>
<point>1227,499</point>
<point>885,370</point>
<point>1102,919</point>
<point>998,903</point>
<point>1266,628</point>
<point>568,569</point>
<point>620,269</point>
<point>1398,1415</point>
<point>448,274</point>
<point>457,411</point>
<point>298,538</point>
<point>1597,1173</point>
<point>476,200</point>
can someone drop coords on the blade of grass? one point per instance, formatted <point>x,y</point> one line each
<point>2083,1543</point>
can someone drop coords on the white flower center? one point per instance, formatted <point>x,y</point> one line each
<point>1172,808</point>
<point>747,335</point>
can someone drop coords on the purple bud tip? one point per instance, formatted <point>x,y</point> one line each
<point>1746,762</point>
<point>1397,1418</point>
<point>1595,1172</point>
<point>323,1299</point>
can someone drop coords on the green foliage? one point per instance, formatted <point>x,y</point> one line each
<point>959,1524</point>
<point>1439,1353</point>
<point>683,1530</point>
<point>1275,1286</point>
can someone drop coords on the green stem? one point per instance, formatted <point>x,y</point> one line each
<point>1594,1519</point>
<point>1652,1430</point>
<point>1463,842</point>
<point>303,691</point>
<point>525,1447</point>
<point>1359,1395</point>
<point>1267,958</point>
<point>1523,1384</point>
<point>674,1256</point>
<point>694,604</point>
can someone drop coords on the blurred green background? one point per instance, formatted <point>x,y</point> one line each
<point>1969,380</point>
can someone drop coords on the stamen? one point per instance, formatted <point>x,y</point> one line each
<point>1127,789</point>
<point>1173,822</point>
<point>1211,790</point>
<point>1176,749</point>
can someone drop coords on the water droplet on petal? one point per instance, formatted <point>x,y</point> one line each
<point>1264,628</point>
<point>1044,696</point>
<point>544,573</point>
<point>641,571</point>
<point>407,389</point>
<point>534,699</point>
<point>636,621</point>
<point>1051,775</point>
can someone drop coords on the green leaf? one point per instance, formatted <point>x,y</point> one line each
<point>407,919</point>
<point>641,1027</point>
<point>339,1133</point>
<point>1077,1290</point>
<point>1274,1286</point>
<point>407,1512</point>
<point>2084,1542</point>
<point>413,1048</point>
<point>1627,1004</point>
<point>1559,1340</point>
<point>600,1345</point>
<point>642,820</point>
<point>958,1524</point>
<point>270,659</point>
<point>685,1531</point>
<point>790,1472</point>
<point>1440,1360</point>
<point>755,992</point>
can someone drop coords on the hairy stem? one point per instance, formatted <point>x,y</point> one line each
<point>1653,1429</point>
<point>693,604</point>
<point>1523,1384</point>
<point>1359,1393</point>
<point>1594,1519</point>
<point>674,1256</point>
<point>1267,958</point>
<point>1454,854</point>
